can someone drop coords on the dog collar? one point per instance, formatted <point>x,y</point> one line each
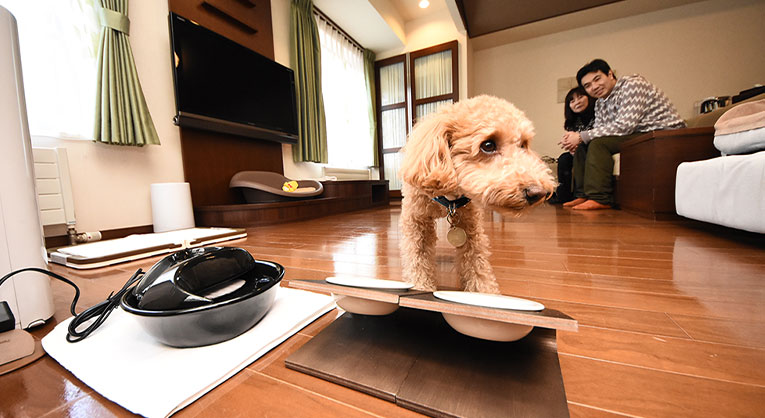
<point>452,204</point>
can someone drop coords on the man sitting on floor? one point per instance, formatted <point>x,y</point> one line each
<point>625,107</point>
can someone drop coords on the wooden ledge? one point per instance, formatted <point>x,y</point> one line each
<point>422,300</point>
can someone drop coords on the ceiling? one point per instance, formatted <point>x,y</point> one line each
<point>410,9</point>
<point>481,17</point>
<point>381,25</point>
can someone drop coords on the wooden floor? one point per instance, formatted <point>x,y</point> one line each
<point>671,314</point>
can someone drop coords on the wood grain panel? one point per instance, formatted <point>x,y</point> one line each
<point>728,331</point>
<point>413,358</point>
<point>243,13</point>
<point>261,395</point>
<point>655,323</point>
<point>258,16</point>
<point>274,367</point>
<point>622,368</point>
<point>487,379</point>
<point>53,387</point>
<point>338,197</point>
<point>583,411</point>
<point>210,159</point>
<point>641,392</point>
<point>683,356</point>
<point>699,289</point>
<point>685,305</point>
<point>649,163</point>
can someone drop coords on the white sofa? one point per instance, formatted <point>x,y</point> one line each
<point>729,190</point>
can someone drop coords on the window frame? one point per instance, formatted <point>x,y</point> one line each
<point>409,101</point>
<point>453,46</point>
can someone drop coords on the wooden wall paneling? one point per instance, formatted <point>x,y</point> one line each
<point>210,158</point>
<point>257,16</point>
<point>338,197</point>
<point>648,167</point>
<point>636,177</point>
<point>243,13</point>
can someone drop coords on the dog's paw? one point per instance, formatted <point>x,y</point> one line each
<point>483,286</point>
<point>426,286</point>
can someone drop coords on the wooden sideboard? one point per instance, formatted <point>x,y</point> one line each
<point>338,197</point>
<point>648,168</point>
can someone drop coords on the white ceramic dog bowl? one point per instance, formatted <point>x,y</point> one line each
<point>485,328</point>
<point>368,283</point>
<point>364,306</point>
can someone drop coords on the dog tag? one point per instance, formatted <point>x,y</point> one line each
<point>456,236</point>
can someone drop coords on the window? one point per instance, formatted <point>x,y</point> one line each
<point>346,101</point>
<point>58,41</point>
<point>432,75</point>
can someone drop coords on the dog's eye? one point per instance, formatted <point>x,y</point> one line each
<point>489,146</point>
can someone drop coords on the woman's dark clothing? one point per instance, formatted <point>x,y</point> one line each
<point>567,189</point>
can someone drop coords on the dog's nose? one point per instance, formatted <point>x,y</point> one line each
<point>534,194</point>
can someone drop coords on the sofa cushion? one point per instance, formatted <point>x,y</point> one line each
<point>741,142</point>
<point>741,130</point>
<point>742,118</point>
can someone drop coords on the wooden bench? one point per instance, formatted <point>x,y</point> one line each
<point>339,196</point>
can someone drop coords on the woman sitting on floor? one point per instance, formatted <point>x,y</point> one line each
<point>579,113</point>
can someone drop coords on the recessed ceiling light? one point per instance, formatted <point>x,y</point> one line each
<point>424,4</point>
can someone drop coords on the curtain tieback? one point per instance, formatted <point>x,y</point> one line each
<point>115,20</point>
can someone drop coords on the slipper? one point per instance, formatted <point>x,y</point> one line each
<point>591,205</point>
<point>577,201</point>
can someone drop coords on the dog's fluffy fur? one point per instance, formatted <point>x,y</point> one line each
<point>450,153</point>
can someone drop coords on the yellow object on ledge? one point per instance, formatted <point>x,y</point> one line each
<point>290,186</point>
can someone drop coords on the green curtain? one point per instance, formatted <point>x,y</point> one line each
<point>369,76</point>
<point>306,61</point>
<point>122,117</point>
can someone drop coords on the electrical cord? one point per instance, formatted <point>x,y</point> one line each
<point>98,312</point>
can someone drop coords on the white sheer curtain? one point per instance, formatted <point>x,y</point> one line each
<point>392,88</point>
<point>345,100</point>
<point>428,108</point>
<point>433,75</point>
<point>58,41</point>
<point>393,123</point>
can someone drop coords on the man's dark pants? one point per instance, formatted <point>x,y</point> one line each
<point>594,167</point>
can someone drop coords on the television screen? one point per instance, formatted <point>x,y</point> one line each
<point>224,87</point>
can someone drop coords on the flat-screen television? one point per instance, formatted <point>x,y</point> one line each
<point>222,86</point>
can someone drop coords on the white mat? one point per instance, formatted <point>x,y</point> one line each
<point>127,366</point>
<point>134,247</point>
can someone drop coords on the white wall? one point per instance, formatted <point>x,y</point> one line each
<point>691,52</point>
<point>111,183</point>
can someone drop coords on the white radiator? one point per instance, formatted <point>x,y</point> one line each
<point>54,190</point>
<point>347,173</point>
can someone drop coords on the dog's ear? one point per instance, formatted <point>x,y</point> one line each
<point>427,163</point>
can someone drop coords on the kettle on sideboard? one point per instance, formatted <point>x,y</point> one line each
<point>711,103</point>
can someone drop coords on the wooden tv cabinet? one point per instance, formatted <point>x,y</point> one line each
<point>648,168</point>
<point>339,196</point>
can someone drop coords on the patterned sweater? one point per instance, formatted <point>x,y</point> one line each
<point>634,105</point>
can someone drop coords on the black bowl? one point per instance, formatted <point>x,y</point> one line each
<point>203,296</point>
